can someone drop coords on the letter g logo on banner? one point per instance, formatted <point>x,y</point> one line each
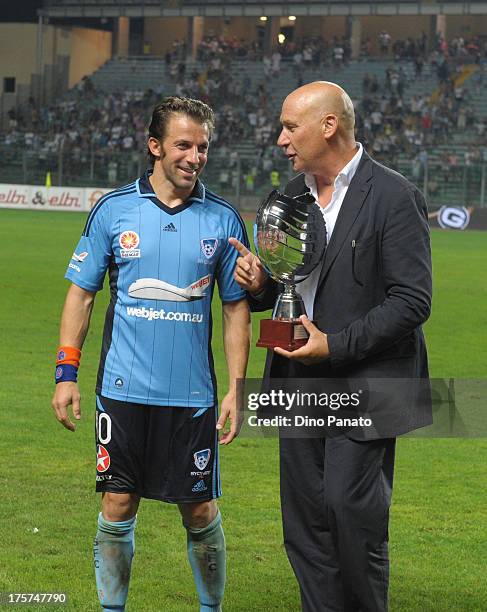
<point>453,217</point>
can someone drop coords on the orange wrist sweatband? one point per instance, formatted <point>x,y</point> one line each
<point>68,355</point>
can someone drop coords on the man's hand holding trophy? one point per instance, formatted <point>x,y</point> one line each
<point>290,239</point>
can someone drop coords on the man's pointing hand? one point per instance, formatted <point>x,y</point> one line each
<point>249,272</point>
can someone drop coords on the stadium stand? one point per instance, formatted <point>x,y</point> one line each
<point>422,112</point>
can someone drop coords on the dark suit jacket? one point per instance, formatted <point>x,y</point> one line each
<point>373,294</point>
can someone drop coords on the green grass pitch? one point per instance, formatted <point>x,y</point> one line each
<point>49,508</point>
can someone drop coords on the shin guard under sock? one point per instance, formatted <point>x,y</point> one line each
<point>113,551</point>
<point>207,556</point>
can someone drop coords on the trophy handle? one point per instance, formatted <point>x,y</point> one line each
<point>289,305</point>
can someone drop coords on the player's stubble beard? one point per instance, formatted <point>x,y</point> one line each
<point>178,182</point>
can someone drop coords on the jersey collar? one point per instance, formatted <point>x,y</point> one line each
<point>144,190</point>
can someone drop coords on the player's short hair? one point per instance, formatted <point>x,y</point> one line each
<point>162,113</point>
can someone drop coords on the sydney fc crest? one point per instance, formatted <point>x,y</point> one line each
<point>201,458</point>
<point>208,246</point>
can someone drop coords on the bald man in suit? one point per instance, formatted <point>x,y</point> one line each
<point>368,301</point>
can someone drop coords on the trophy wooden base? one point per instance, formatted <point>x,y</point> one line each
<point>289,335</point>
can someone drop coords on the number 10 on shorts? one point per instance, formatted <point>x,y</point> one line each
<point>103,427</point>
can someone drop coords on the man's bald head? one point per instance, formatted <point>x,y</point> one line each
<point>317,133</point>
<point>321,98</point>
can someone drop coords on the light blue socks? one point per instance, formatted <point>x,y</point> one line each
<point>207,556</point>
<point>113,551</point>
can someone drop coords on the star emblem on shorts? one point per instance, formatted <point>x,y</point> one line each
<point>102,459</point>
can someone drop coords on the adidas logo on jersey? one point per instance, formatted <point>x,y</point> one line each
<point>199,487</point>
<point>170,228</point>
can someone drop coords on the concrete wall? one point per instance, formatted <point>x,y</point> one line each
<point>198,33</point>
<point>18,50</point>
<point>89,50</point>
<point>466,26</point>
<point>239,27</point>
<point>327,27</point>
<point>67,55</point>
<point>398,27</point>
<point>19,59</point>
<point>161,32</point>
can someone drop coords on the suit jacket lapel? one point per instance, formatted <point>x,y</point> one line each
<point>351,205</point>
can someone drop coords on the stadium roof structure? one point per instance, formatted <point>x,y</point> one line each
<point>253,8</point>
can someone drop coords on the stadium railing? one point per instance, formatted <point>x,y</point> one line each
<point>461,184</point>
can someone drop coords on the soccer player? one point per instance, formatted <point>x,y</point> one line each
<point>164,241</point>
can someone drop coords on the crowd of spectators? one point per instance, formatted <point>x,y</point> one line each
<point>244,110</point>
<point>456,51</point>
<point>391,122</point>
<point>83,125</point>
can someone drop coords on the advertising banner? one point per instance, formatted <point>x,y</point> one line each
<point>34,197</point>
<point>458,218</point>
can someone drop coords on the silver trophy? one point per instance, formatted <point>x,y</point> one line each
<point>290,238</point>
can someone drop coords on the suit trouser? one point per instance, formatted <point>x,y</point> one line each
<point>335,498</point>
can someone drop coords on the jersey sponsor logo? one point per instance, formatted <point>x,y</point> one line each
<point>81,257</point>
<point>209,246</point>
<point>102,459</point>
<point>119,383</point>
<point>156,289</point>
<point>152,314</point>
<point>201,458</point>
<point>129,241</point>
<point>453,217</point>
<point>202,282</point>
<point>74,267</point>
<point>199,487</point>
<point>170,227</point>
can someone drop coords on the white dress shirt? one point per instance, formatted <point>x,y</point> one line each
<point>307,288</point>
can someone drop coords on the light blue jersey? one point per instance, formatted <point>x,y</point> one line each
<point>162,264</point>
